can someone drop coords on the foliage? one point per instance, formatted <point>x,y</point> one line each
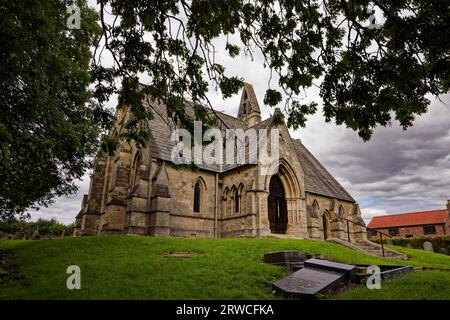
<point>50,227</point>
<point>417,243</point>
<point>164,51</point>
<point>368,74</point>
<point>47,125</point>
<point>277,117</point>
<point>119,267</point>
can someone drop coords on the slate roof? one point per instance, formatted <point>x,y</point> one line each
<point>409,219</point>
<point>317,179</point>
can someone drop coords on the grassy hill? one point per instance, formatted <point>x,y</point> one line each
<point>115,267</point>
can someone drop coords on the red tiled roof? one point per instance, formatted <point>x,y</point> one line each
<point>409,219</point>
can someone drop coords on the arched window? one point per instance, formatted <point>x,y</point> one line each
<point>341,211</point>
<point>225,202</point>
<point>135,170</point>
<point>197,196</point>
<point>326,225</point>
<point>316,206</point>
<point>236,198</point>
<point>199,187</point>
<point>242,199</point>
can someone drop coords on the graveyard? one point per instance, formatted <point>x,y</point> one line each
<point>134,267</point>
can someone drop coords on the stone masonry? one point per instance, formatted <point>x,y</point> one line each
<point>141,192</point>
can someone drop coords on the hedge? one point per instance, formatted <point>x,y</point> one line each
<point>47,228</point>
<point>417,243</point>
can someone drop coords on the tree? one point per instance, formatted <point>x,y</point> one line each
<point>368,73</point>
<point>47,125</point>
<point>50,122</point>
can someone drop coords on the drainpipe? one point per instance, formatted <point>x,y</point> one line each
<point>216,188</point>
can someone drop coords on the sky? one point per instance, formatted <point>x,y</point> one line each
<point>396,171</point>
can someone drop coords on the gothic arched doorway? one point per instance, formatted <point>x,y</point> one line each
<point>277,208</point>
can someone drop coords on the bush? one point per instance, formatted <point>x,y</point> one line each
<point>417,243</point>
<point>47,228</point>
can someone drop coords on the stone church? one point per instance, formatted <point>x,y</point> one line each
<point>141,192</point>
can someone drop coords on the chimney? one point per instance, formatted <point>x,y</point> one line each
<point>448,206</point>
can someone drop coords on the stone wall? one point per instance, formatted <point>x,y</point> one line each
<point>241,223</point>
<point>333,209</point>
<point>155,198</point>
<point>134,193</point>
<point>184,222</point>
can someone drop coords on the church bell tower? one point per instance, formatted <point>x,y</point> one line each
<point>249,111</point>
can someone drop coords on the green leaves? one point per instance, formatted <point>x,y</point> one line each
<point>230,86</point>
<point>367,77</point>
<point>277,117</point>
<point>272,97</point>
<point>48,125</point>
<point>298,113</point>
<point>233,50</point>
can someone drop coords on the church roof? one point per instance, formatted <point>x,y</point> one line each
<point>317,179</point>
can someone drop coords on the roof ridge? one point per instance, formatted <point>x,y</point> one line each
<point>405,213</point>
<point>222,113</point>
<point>261,122</point>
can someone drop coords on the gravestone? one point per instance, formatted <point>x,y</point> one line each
<point>318,276</point>
<point>284,257</point>
<point>347,269</point>
<point>309,281</point>
<point>292,260</point>
<point>428,246</point>
<point>389,274</point>
<point>443,251</point>
<point>36,235</point>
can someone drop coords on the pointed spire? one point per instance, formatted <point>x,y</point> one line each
<point>249,111</point>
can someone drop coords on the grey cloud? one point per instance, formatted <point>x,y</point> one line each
<point>64,209</point>
<point>404,170</point>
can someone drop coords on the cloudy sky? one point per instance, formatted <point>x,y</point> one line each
<point>396,171</point>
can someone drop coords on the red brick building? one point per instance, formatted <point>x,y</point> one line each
<point>433,223</point>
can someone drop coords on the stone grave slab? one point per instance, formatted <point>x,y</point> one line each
<point>307,282</point>
<point>348,270</point>
<point>389,274</point>
<point>387,271</point>
<point>284,257</point>
<point>317,276</point>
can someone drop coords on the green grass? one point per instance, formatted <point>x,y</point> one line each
<point>135,268</point>
<point>426,285</point>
